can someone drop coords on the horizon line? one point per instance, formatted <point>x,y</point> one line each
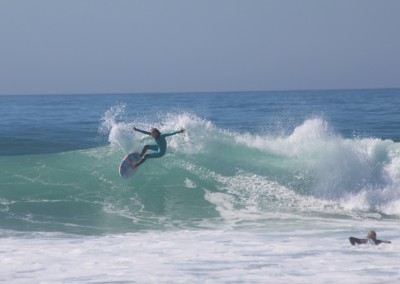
<point>199,92</point>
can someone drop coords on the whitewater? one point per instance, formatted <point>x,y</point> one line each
<point>236,199</point>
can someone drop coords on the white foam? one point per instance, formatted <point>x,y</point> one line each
<point>316,163</point>
<point>315,254</point>
<point>361,174</point>
<point>189,183</point>
<point>121,135</point>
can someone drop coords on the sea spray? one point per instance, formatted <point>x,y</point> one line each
<point>311,162</point>
<point>209,177</point>
<point>259,189</point>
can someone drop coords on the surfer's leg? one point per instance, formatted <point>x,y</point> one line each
<point>148,147</point>
<point>132,164</point>
<point>149,156</point>
<point>140,162</point>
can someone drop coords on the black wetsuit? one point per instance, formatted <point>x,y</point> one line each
<point>357,241</point>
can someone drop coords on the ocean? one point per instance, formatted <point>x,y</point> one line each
<point>263,187</point>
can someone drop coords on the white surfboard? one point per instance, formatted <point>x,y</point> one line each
<point>125,170</point>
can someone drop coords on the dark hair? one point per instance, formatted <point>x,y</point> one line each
<point>156,131</point>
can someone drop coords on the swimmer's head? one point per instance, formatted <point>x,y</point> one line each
<point>371,235</point>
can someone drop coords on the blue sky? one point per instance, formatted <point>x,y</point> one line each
<point>128,46</point>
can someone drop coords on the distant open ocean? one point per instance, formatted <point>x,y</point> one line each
<point>264,187</point>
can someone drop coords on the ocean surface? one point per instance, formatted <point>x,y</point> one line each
<point>263,187</point>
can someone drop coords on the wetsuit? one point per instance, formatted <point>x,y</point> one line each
<point>160,148</point>
<point>357,241</point>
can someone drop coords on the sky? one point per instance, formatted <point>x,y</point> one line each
<point>129,46</point>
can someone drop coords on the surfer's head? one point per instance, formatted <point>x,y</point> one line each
<point>371,235</point>
<point>155,132</point>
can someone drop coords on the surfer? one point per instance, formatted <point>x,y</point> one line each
<point>160,148</point>
<point>371,239</point>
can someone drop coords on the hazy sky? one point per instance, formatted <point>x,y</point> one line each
<point>128,46</point>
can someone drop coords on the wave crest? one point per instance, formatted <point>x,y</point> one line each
<point>312,162</point>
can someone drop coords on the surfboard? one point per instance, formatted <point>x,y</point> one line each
<point>125,170</point>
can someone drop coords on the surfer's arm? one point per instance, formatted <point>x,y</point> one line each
<point>357,241</point>
<point>173,133</point>
<point>141,131</point>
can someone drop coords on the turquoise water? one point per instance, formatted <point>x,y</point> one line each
<point>252,169</point>
<point>60,156</point>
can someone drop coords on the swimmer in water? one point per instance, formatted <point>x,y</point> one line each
<point>160,148</point>
<point>371,239</point>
